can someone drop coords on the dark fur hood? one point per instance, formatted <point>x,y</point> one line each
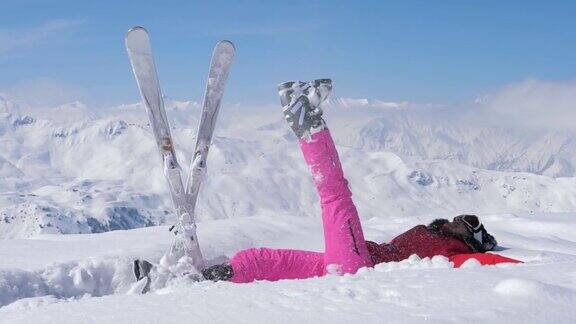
<point>488,242</point>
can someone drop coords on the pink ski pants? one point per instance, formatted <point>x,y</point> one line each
<point>344,246</point>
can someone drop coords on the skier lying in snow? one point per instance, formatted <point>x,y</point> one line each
<point>346,250</point>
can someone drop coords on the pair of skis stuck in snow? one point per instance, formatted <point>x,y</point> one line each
<point>185,249</point>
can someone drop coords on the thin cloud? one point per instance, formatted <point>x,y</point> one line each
<point>44,92</point>
<point>12,39</point>
<point>529,104</point>
<point>532,104</point>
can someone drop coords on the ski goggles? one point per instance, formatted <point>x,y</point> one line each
<point>473,224</point>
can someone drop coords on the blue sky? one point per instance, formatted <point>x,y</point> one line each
<point>428,51</point>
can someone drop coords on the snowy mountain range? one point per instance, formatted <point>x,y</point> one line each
<point>73,169</point>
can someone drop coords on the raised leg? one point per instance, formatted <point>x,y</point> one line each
<point>344,242</point>
<point>343,237</point>
<point>345,247</point>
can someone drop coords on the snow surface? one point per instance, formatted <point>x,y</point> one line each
<point>65,275</point>
<point>95,176</point>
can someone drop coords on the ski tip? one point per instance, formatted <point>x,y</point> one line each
<point>226,42</point>
<point>137,37</point>
<point>136,29</point>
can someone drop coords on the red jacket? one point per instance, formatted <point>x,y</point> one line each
<point>422,242</point>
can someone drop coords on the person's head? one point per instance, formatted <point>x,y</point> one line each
<point>467,228</point>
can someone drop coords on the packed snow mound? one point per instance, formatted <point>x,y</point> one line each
<point>533,289</point>
<point>63,281</point>
<point>70,169</point>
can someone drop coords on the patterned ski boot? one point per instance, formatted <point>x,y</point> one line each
<point>301,105</point>
<point>141,270</point>
<point>219,272</point>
